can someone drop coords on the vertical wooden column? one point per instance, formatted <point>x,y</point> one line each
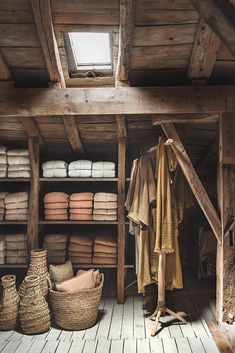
<point>121,137</point>
<point>225,291</point>
<point>33,216</point>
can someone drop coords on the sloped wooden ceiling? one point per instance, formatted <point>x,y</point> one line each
<point>163,40</point>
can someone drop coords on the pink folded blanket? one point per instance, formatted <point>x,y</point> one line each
<point>80,217</point>
<point>55,211</point>
<point>82,196</point>
<point>105,196</point>
<point>80,204</point>
<point>105,205</point>
<point>56,217</point>
<point>56,205</point>
<point>81,210</point>
<point>52,197</point>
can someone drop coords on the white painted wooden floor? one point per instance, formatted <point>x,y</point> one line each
<point>126,328</point>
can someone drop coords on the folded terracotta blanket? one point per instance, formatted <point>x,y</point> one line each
<point>103,173</point>
<point>3,159</point>
<point>81,173</point>
<point>3,150</point>
<point>103,254</point>
<point>56,217</point>
<point>18,152</point>
<point>55,238</point>
<point>16,217</point>
<point>80,248</point>
<point>105,249</point>
<point>13,245</point>
<point>3,167</point>
<point>105,212</point>
<point>82,196</point>
<point>3,174</point>
<point>104,260</point>
<point>16,260</point>
<point>16,237</point>
<point>81,210</point>
<point>55,173</point>
<point>81,239</point>
<point>54,246</point>
<point>105,196</point>
<point>17,205</point>
<point>19,174</point>
<point>52,197</point>
<point>17,211</point>
<point>105,205</point>
<point>105,217</point>
<point>80,164</point>
<point>56,205</point>
<point>79,254</point>
<point>106,240</point>
<point>80,217</point>
<point>18,167</point>
<point>80,204</point>
<point>57,164</point>
<point>16,197</point>
<point>56,211</point>
<point>103,165</point>
<point>80,260</point>
<point>55,259</point>
<point>17,160</point>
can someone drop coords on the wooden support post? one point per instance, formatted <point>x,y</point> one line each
<point>121,137</point>
<point>33,215</point>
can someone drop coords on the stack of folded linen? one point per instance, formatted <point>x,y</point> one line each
<point>81,206</point>
<point>18,164</point>
<point>56,206</point>
<point>105,207</point>
<point>80,249</point>
<point>103,170</point>
<point>56,245</point>
<point>3,162</point>
<point>16,248</point>
<point>105,250</point>
<point>55,169</point>
<point>17,206</point>
<point>2,250</point>
<point>2,204</point>
<point>80,169</point>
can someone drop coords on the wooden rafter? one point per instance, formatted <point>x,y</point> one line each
<point>32,130</point>
<point>4,70</point>
<point>217,21</point>
<point>193,180</point>
<point>204,53</point>
<point>17,102</point>
<point>74,136</point>
<point>126,29</point>
<point>44,24</point>
<point>184,118</point>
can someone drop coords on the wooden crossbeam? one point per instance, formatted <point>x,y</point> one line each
<point>4,70</point>
<point>217,21</point>
<point>17,102</point>
<point>126,29</point>
<point>204,53</point>
<point>44,24</point>
<point>184,118</point>
<point>74,136</point>
<point>32,130</point>
<point>193,180</point>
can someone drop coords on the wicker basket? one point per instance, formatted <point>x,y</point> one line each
<point>9,306</point>
<point>34,312</point>
<point>77,311</point>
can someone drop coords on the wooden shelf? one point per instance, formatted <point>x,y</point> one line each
<point>12,222</point>
<point>16,266</point>
<point>70,179</point>
<point>78,222</point>
<point>98,266</point>
<point>15,180</point>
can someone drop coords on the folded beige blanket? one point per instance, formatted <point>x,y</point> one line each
<point>17,205</point>
<point>54,246</point>
<point>105,249</point>
<point>80,248</point>
<point>108,218</point>
<point>56,205</point>
<point>80,204</point>
<point>16,217</point>
<point>80,260</point>
<point>18,174</point>
<point>105,205</point>
<point>52,197</point>
<point>16,260</point>
<point>3,150</point>
<point>3,194</point>
<point>81,210</point>
<point>81,239</point>
<point>104,260</point>
<point>55,259</point>
<point>106,240</point>
<point>56,217</point>
<point>80,217</point>
<point>102,211</point>
<point>17,211</point>
<point>58,252</point>
<point>18,160</point>
<point>103,254</point>
<point>19,168</point>
<point>55,211</point>
<point>16,245</point>
<point>105,196</point>
<point>3,167</point>
<point>16,197</point>
<point>20,253</point>
<point>3,174</point>
<point>82,196</point>
<point>3,159</point>
<point>79,254</point>
<point>2,204</point>
<point>55,238</point>
<point>16,237</point>
<point>18,152</point>
<point>2,211</point>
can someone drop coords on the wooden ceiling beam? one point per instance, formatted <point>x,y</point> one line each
<point>44,24</point>
<point>204,53</point>
<point>18,102</point>
<point>193,180</point>
<point>217,21</point>
<point>184,118</point>
<point>126,30</point>
<point>74,136</point>
<point>32,130</point>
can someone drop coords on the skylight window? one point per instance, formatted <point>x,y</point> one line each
<point>91,51</point>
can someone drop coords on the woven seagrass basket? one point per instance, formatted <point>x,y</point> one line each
<point>9,306</point>
<point>76,311</point>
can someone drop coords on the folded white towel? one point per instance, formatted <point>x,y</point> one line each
<point>104,217</point>
<point>55,173</point>
<point>18,160</point>
<point>106,205</point>
<point>3,167</point>
<point>17,205</point>
<point>103,173</point>
<point>80,173</point>
<point>3,174</point>
<point>18,167</point>
<point>3,150</point>
<point>19,174</point>
<point>3,159</point>
<point>103,165</point>
<point>80,164</point>
<point>105,212</point>
<point>105,196</point>
<point>16,197</point>
<point>18,152</point>
<point>17,211</point>
<point>57,164</point>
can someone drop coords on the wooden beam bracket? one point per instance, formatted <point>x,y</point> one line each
<point>74,136</point>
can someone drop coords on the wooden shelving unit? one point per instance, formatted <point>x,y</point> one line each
<point>13,222</point>
<point>18,180</point>
<point>68,179</point>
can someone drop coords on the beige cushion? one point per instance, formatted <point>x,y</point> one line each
<point>61,273</point>
<point>85,280</point>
